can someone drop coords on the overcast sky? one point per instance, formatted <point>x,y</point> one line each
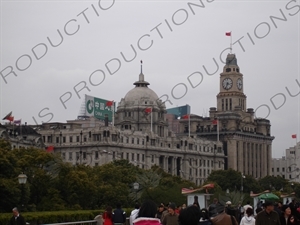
<point>173,38</point>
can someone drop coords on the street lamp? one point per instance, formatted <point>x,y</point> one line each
<point>136,187</point>
<point>80,152</point>
<point>242,187</point>
<point>22,178</point>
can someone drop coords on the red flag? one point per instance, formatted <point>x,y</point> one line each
<point>9,117</point>
<point>50,148</point>
<point>109,103</point>
<point>215,122</point>
<point>228,33</point>
<point>148,110</point>
<point>294,135</point>
<point>186,116</point>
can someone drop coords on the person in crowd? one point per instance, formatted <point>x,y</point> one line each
<point>146,214</point>
<point>196,202</point>
<point>277,208</point>
<point>134,213</point>
<point>248,218</point>
<point>178,209</point>
<point>17,218</point>
<point>161,209</point>
<point>247,206</point>
<point>267,216</point>
<point>230,210</point>
<point>190,216</point>
<point>119,216</point>
<point>205,220</point>
<point>292,220</point>
<point>293,207</point>
<point>213,207</point>
<point>286,212</point>
<point>171,218</point>
<point>107,216</point>
<point>222,218</point>
<point>240,210</point>
<point>165,212</point>
<point>183,206</point>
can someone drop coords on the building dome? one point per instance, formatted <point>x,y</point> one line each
<point>141,93</point>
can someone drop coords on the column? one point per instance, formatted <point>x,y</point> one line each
<point>174,166</point>
<point>166,163</point>
<point>240,151</point>
<point>246,157</point>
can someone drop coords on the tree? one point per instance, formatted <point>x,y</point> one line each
<point>273,183</point>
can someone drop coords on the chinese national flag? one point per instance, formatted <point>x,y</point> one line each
<point>148,110</point>
<point>186,117</point>
<point>109,103</point>
<point>50,148</point>
<point>294,135</point>
<point>228,33</point>
<point>215,122</point>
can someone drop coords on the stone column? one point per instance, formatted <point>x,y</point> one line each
<point>239,150</point>
<point>246,157</point>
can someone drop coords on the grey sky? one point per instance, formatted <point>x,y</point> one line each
<point>269,65</point>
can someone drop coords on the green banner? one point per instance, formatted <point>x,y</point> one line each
<point>98,107</point>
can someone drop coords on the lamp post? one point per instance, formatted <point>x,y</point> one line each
<point>136,187</point>
<point>242,187</point>
<point>22,178</point>
<point>60,136</point>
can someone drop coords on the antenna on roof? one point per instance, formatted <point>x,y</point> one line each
<point>141,66</point>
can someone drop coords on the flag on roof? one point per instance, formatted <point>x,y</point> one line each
<point>148,110</point>
<point>109,103</point>
<point>228,33</point>
<point>9,117</point>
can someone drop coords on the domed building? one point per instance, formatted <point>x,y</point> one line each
<point>142,110</point>
<point>140,134</point>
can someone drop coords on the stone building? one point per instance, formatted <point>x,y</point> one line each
<point>288,166</point>
<point>140,135</point>
<point>21,136</point>
<point>247,140</point>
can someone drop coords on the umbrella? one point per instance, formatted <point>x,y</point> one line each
<point>268,196</point>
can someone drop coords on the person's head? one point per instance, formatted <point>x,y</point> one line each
<point>171,208</point>
<point>15,211</point>
<point>204,214</point>
<point>286,210</point>
<point>118,205</point>
<point>279,204</point>
<point>161,208</point>
<point>248,202</point>
<point>190,216</point>
<point>215,200</point>
<point>183,206</point>
<point>148,209</point>
<point>249,212</point>
<point>137,205</point>
<point>269,206</point>
<point>108,209</point>
<point>291,220</point>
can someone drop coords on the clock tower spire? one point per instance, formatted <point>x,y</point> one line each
<point>231,96</point>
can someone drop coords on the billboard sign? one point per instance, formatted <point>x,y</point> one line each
<point>98,107</point>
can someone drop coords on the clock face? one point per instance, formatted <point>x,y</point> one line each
<point>239,83</point>
<point>227,83</point>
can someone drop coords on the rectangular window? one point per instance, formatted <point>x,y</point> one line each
<point>77,139</point>
<point>114,155</point>
<point>132,141</point>
<point>49,139</point>
<point>84,155</point>
<point>138,157</point>
<point>64,139</point>
<point>143,158</point>
<point>63,156</point>
<point>114,137</point>
<point>127,156</point>
<point>277,169</point>
<point>96,155</point>
<point>190,146</point>
<point>132,156</point>
<point>152,158</point>
<point>84,138</point>
<point>70,155</point>
<point>70,139</point>
<point>57,139</point>
<point>138,141</point>
<point>44,139</point>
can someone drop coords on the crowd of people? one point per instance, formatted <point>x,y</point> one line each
<point>267,213</point>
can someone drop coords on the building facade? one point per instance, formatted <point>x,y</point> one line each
<point>21,136</point>
<point>247,141</point>
<point>288,166</point>
<point>140,135</point>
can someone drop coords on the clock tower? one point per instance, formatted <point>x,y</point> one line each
<point>231,95</point>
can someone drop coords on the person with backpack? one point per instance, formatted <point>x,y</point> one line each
<point>119,216</point>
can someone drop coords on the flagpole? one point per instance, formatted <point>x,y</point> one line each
<point>113,114</point>
<point>151,120</point>
<point>190,125</point>
<point>230,42</point>
<point>217,131</point>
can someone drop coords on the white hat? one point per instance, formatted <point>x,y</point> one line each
<point>228,203</point>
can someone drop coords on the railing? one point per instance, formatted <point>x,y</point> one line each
<point>88,222</point>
